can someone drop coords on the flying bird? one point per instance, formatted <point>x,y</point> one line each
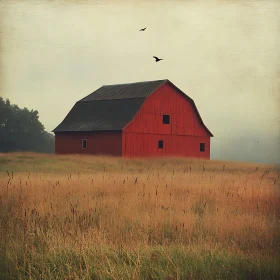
<point>157,59</point>
<point>143,29</point>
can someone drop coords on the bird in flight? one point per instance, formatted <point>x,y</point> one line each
<point>143,29</point>
<point>157,59</point>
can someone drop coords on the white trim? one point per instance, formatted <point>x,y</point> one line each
<point>83,143</point>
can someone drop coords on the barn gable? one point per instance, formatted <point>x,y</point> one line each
<point>194,107</point>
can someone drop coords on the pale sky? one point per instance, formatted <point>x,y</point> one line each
<point>224,54</point>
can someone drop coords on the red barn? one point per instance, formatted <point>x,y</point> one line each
<point>145,119</point>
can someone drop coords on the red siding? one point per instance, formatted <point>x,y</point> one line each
<point>182,137</point>
<point>105,143</point>
<point>144,145</point>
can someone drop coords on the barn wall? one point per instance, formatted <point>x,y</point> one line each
<point>106,143</point>
<point>182,137</point>
<point>144,145</point>
<point>167,100</point>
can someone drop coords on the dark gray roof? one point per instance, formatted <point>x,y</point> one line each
<point>100,115</point>
<point>112,107</point>
<point>123,91</point>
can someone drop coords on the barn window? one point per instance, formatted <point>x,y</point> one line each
<point>166,119</point>
<point>202,147</point>
<point>84,143</point>
<point>160,144</point>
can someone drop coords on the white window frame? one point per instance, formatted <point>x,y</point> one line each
<point>83,143</point>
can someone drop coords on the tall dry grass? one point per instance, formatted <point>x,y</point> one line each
<point>81,203</point>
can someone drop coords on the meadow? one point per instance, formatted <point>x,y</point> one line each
<point>84,217</point>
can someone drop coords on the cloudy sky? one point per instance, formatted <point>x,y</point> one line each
<point>224,54</point>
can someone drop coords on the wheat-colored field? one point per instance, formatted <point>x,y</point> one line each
<point>85,217</point>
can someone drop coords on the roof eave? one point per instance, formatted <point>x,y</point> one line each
<point>73,131</point>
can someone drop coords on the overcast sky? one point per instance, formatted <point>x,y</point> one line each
<point>224,54</point>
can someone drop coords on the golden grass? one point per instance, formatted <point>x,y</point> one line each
<point>86,202</point>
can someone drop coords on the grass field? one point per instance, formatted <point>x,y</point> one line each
<point>84,217</point>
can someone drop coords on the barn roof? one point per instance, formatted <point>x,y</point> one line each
<point>124,91</point>
<point>111,107</point>
<point>100,115</point>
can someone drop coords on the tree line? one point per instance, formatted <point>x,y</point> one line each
<point>21,130</point>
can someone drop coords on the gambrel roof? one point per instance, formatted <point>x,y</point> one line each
<point>112,107</point>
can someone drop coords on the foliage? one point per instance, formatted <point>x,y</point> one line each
<point>21,130</point>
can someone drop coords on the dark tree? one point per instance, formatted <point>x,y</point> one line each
<point>21,130</point>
